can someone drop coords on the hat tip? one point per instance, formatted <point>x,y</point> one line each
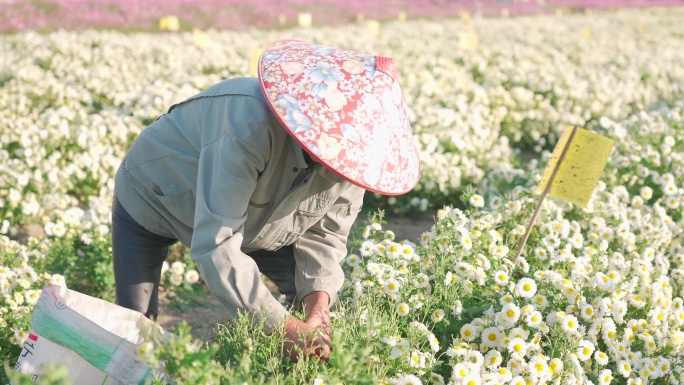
<point>386,65</point>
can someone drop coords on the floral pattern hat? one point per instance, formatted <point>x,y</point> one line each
<point>346,109</point>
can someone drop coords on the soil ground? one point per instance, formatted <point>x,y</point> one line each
<point>203,318</point>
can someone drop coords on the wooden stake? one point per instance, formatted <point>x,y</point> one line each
<point>546,192</point>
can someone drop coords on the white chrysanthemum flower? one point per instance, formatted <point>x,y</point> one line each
<point>499,251</point>
<point>556,366</point>
<point>249,344</point>
<point>20,336</point>
<point>408,379</point>
<point>605,377</point>
<point>474,358</point>
<point>177,267</point>
<point>400,349</point>
<point>493,336</point>
<point>493,359</point>
<point>58,229</point>
<point>449,278</point>
<point>4,228</point>
<point>587,312</point>
<point>624,367</point>
<point>508,316</point>
<point>367,248</point>
<point>460,371</point>
<point>646,192</point>
<point>570,324</point>
<point>87,238</point>
<point>672,201</point>
<point>403,309</point>
<point>577,241</point>
<point>476,201</point>
<point>585,350</point>
<point>391,286</point>
<point>525,288</point>
<point>4,272</point>
<point>517,346</point>
<point>433,341</point>
<point>407,252</point>
<point>422,280</point>
<point>472,379</point>
<point>457,309</point>
<point>374,269</point>
<point>601,358</point>
<point>57,280</point>
<point>541,254</point>
<point>192,276</point>
<point>518,380</point>
<point>539,300</point>
<point>272,364</point>
<point>145,350</point>
<point>539,368</point>
<point>501,278</point>
<point>469,332</point>
<point>353,260</point>
<point>176,279</point>
<point>438,315</point>
<point>73,216</point>
<point>32,296</point>
<point>426,237</point>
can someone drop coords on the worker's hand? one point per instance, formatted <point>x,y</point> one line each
<point>305,341</point>
<point>317,311</point>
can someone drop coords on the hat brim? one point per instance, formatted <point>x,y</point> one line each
<point>345,109</point>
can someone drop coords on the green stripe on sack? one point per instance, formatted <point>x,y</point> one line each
<point>90,349</point>
<point>147,375</point>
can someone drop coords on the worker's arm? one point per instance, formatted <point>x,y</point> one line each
<point>229,166</point>
<point>319,251</point>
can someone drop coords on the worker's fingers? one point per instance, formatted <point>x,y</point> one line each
<point>320,350</point>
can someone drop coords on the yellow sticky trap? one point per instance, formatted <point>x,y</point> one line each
<point>578,161</point>
<point>169,23</point>
<point>468,40</point>
<point>201,38</point>
<point>374,28</point>
<point>304,20</point>
<point>586,33</point>
<point>254,66</point>
<point>402,16</point>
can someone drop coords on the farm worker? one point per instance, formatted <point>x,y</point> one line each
<point>264,176</point>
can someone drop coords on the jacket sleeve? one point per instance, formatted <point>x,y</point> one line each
<point>319,251</point>
<point>228,170</point>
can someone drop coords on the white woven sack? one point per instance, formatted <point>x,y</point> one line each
<point>96,340</point>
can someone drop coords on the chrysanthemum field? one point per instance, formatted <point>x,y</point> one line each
<point>595,298</point>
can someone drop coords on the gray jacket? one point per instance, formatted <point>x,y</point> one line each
<point>222,164</point>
